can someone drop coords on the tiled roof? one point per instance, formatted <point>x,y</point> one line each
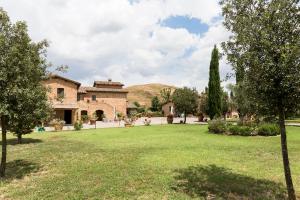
<point>94,89</point>
<point>81,90</point>
<point>108,83</point>
<point>63,78</point>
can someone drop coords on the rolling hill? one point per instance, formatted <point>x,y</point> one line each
<point>144,93</point>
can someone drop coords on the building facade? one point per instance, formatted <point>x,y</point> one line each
<point>168,109</point>
<point>71,101</point>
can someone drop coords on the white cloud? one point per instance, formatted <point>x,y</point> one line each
<point>117,39</point>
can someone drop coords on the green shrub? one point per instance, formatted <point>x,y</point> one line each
<point>240,130</point>
<point>78,126</point>
<point>84,118</point>
<point>268,130</point>
<point>217,126</point>
<point>270,119</point>
<point>248,123</point>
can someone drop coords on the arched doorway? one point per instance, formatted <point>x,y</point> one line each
<point>100,115</point>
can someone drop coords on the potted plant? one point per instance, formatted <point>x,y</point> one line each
<point>85,118</point>
<point>170,119</point>
<point>57,124</point>
<point>129,122</point>
<point>147,121</point>
<point>93,119</point>
<point>201,117</point>
<point>120,117</point>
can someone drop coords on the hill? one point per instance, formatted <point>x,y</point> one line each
<point>144,93</point>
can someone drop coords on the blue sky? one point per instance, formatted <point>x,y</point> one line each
<point>132,41</point>
<point>192,25</point>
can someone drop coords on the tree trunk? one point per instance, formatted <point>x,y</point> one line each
<point>19,138</point>
<point>184,118</point>
<point>285,156</point>
<point>4,143</point>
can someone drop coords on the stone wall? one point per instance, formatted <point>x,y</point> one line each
<point>70,91</point>
<point>168,108</point>
<point>109,102</point>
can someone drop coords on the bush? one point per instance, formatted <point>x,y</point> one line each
<point>78,126</point>
<point>248,123</point>
<point>240,130</point>
<point>85,118</point>
<point>270,119</point>
<point>217,126</point>
<point>268,130</point>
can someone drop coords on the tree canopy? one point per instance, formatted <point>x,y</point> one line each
<point>22,68</point>
<point>225,104</point>
<point>185,101</point>
<point>265,46</point>
<point>155,104</point>
<point>166,95</point>
<point>214,86</point>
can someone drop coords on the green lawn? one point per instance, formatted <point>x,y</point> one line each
<point>156,162</point>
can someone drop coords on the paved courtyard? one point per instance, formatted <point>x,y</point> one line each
<point>139,122</point>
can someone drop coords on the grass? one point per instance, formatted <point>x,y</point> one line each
<point>156,162</point>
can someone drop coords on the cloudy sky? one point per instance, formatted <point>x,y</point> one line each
<point>132,41</point>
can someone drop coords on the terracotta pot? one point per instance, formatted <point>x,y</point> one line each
<point>201,118</point>
<point>58,127</point>
<point>128,125</point>
<point>170,119</point>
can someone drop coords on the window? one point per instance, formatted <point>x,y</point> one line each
<point>78,97</point>
<point>94,97</point>
<point>60,92</point>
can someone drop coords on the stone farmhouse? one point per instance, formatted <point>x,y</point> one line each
<point>70,100</point>
<point>168,109</point>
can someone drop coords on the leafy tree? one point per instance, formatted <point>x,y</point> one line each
<point>268,36</point>
<point>166,95</point>
<point>242,102</point>
<point>22,66</point>
<point>185,101</point>
<point>155,104</point>
<point>203,103</point>
<point>137,104</point>
<point>32,109</point>
<point>214,86</point>
<point>140,109</point>
<point>225,104</point>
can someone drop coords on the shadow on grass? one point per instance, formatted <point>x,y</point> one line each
<point>213,182</point>
<point>14,141</point>
<point>17,169</point>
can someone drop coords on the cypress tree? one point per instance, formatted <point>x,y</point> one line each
<point>214,86</point>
